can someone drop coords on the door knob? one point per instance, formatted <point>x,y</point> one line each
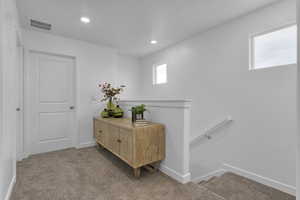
<point>18,109</point>
<point>72,107</point>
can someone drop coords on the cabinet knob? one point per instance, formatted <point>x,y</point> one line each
<point>119,141</point>
<point>100,131</point>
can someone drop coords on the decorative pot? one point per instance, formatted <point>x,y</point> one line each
<point>104,113</point>
<point>118,112</point>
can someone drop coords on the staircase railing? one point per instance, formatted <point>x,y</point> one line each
<point>208,132</point>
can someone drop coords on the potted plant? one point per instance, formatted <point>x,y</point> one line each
<point>111,95</point>
<point>138,112</point>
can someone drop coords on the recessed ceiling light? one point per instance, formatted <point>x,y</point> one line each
<point>85,20</point>
<point>153,42</point>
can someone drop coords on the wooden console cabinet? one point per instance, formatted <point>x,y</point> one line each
<point>136,145</point>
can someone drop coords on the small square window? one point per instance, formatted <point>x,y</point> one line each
<point>274,48</point>
<point>160,74</point>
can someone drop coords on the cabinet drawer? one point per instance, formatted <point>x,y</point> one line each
<point>100,132</point>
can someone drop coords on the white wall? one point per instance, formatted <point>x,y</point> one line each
<point>175,115</point>
<point>212,70</point>
<point>8,92</point>
<point>298,104</point>
<point>128,74</point>
<point>94,64</point>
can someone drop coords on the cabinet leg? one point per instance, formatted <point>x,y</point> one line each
<point>137,172</point>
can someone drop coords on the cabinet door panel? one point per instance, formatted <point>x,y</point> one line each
<point>126,145</point>
<point>100,132</point>
<point>113,139</point>
<point>149,145</point>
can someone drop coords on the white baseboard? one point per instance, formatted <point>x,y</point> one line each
<point>86,144</point>
<point>10,188</point>
<point>209,176</point>
<point>260,179</point>
<point>181,178</point>
<point>22,156</point>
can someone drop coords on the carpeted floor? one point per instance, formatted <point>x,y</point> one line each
<point>92,174</point>
<point>233,187</point>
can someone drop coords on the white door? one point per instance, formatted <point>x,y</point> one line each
<point>50,102</point>
<point>19,109</point>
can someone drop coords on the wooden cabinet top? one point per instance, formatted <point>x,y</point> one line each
<point>126,123</point>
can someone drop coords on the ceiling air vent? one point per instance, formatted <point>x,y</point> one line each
<point>40,25</point>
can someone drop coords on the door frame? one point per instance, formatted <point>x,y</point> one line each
<point>26,103</point>
<point>298,102</point>
<point>20,128</point>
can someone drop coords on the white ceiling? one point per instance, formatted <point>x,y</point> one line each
<point>129,25</point>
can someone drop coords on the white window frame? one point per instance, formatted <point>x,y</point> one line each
<point>252,46</point>
<point>154,75</point>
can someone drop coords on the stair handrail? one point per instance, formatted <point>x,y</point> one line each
<point>209,131</point>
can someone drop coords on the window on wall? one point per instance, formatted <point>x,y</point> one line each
<point>274,48</point>
<point>160,74</point>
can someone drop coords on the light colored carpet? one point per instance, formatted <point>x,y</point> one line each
<point>93,174</point>
<point>234,187</point>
